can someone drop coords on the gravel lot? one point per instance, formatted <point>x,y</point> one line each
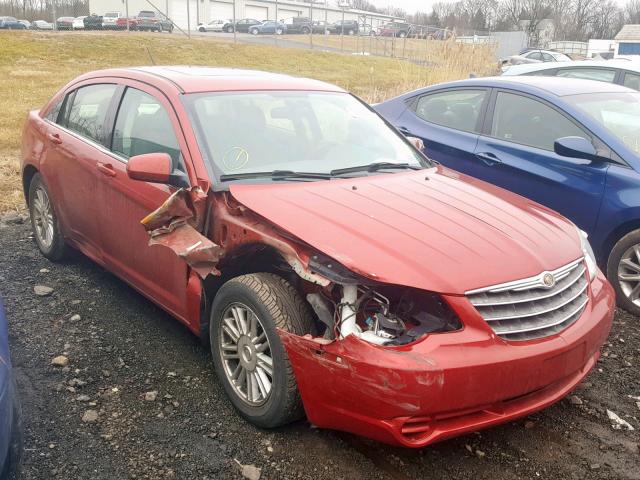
<point>99,418</point>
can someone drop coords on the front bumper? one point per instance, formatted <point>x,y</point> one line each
<point>447,384</point>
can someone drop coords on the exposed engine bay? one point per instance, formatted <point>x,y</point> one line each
<point>382,315</point>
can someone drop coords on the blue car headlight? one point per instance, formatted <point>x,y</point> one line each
<point>589,256</point>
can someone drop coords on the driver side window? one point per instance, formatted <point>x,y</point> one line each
<point>526,121</point>
<point>144,126</point>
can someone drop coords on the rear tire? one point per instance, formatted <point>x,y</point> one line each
<point>351,32</point>
<point>202,29</point>
<point>254,31</point>
<point>44,222</point>
<point>279,31</point>
<point>269,302</point>
<point>624,261</point>
<point>229,29</point>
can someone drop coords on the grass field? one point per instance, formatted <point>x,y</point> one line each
<point>34,65</point>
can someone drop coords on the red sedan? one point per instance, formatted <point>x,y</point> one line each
<point>334,269</point>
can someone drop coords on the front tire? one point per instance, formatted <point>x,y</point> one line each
<point>44,222</point>
<point>254,31</point>
<point>249,357</point>
<point>623,271</point>
<point>202,29</point>
<point>229,29</point>
<point>279,31</point>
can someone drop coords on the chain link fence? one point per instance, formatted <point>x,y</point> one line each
<point>293,23</point>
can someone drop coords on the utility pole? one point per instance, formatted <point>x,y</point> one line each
<point>234,21</point>
<point>311,22</point>
<point>188,19</point>
<point>126,12</point>
<point>55,24</point>
<point>276,36</point>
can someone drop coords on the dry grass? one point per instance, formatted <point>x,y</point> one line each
<point>33,66</point>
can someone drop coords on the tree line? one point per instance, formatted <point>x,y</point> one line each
<point>577,20</point>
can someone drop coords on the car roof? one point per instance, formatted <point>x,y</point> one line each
<point>557,86</point>
<point>195,79</point>
<point>535,67</point>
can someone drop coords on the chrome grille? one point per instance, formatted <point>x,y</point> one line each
<point>530,308</point>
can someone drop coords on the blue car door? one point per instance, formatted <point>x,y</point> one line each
<point>448,121</point>
<point>516,151</point>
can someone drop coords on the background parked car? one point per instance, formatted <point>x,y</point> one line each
<point>109,20</point>
<point>121,23</point>
<point>78,23</point>
<point>346,27</point>
<point>10,413</point>
<point>93,22</point>
<point>572,145</point>
<point>320,26</point>
<point>241,25</point>
<point>536,56</point>
<point>213,25</point>
<point>41,25</point>
<point>395,29</point>
<point>26,23</point>
<point>298,25</point>
<point>269,26</point>
<point>153,22</point>
<point>65,23</point>
<point>10,23</point>
<point>622,72</point>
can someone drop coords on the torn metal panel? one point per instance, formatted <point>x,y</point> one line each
<point>173,225</point>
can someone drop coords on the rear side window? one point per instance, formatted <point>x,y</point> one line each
<point>144,126</point>
<point>457,109</point>
<point>523,120</point>
<point>632,80</point>
<point>54,113</point>
<point>89,111</point>
<point>599,74</point>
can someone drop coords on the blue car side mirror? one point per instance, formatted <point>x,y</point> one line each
<point>575,147</point>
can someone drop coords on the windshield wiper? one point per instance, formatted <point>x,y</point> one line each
<point>275,175</point>
<point>374,167</point>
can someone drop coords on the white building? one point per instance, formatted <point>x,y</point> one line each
<point>202,11</point>
<point>628,42</point>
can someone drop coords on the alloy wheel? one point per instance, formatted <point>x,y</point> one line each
<point>629,274</point>
<point>246,354</point>
<point>43,218</point>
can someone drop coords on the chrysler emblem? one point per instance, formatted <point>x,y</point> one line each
<point>548,280</point>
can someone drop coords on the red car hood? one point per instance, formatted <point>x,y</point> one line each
<point>433,229</point>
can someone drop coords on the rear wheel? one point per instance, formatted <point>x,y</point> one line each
<point>306,30</point>
<point>249,357</point>
<point>229,29</point>
<point>254,31</point>
<point>44,222</point>
<point>351,32</point>
<point>402,34</point>
<point>279,31</point>
<point>202,29</point>
<point>623,271</point>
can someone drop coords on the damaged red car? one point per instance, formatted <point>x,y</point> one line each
<point>335,270</point>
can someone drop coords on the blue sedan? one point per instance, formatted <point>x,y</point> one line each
<point>269,27</point>
<point>572,145</point>
<point>10,419</point>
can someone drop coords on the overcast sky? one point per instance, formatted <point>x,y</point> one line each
<point>411,6</point>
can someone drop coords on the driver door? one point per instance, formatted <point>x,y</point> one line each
<point>516,152</point>
<point>144,123</point>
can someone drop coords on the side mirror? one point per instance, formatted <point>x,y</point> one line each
<point>575,147</point>
<point>155,168</point>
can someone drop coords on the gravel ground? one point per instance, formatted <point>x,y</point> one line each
<point>139,399</point>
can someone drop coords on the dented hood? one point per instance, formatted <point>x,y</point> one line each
<point>432,229</point>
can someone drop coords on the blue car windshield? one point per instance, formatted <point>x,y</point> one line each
<point>245,132</point>
<point>618,112</point>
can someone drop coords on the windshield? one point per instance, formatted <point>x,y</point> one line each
<point>618,112</point>
<point>246,132</point>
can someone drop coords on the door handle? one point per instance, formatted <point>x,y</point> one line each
<point>106,169</point>
<point>55,138</point>
<point>488,158</point>
<point>404,130</point>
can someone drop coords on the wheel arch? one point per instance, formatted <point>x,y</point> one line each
<point>28,173</point>
<point>614,236</point>
<point>245,259</point>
